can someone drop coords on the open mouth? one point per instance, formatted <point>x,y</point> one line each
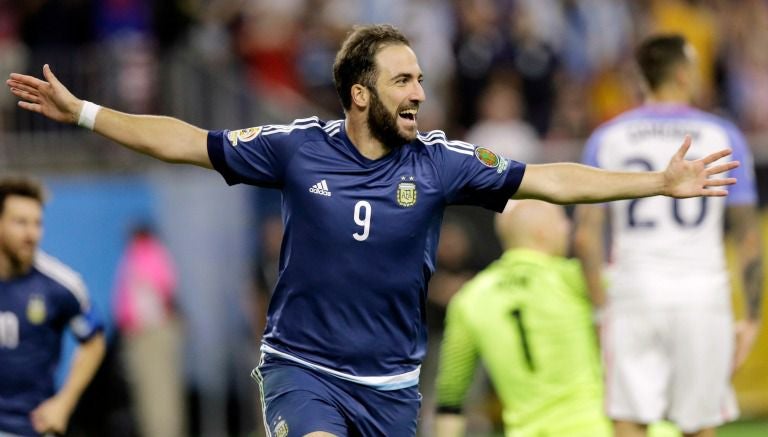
<point>409,114</point>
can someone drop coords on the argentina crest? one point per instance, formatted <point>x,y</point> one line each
<point>406,192</point>
<point>36,309</point>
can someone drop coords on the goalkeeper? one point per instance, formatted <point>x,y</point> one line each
<point>527,317</point>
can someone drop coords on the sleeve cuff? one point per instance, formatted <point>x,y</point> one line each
<point>218,160</point>
<point>514,178</point>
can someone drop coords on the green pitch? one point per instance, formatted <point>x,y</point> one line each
<point>753,428</point>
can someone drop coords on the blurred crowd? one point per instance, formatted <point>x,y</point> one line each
<point>509,73</point>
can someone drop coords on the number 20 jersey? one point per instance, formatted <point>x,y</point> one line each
<point>669,251</point>
<point>360,238</point>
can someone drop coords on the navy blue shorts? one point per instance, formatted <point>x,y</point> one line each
<point>298,400</point>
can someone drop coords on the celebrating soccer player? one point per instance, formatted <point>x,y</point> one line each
<point>363,198</point>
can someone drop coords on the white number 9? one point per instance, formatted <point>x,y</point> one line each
<point>363,218</point>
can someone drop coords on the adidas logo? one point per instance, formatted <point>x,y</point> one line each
<point>320,188</point>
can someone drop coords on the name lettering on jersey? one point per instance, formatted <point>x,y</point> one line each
<point>663,129</point>
<point>243,135</point>
<point>36,309</point>
<point>320,188</point>
<point>406,192</point>
<point>487,157</point>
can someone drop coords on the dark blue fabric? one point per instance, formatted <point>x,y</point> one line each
<point>299,400</point>
<point>360,235</point>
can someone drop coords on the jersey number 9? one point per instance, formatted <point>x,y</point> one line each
<point>362,218</point>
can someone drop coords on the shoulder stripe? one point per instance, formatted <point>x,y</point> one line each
<point>464,144</point>
<point>332,124</point>
<point>333,127</point>
<point>313,121</point>
<point>297,122</point>
<point>302,120</point>
<point>432,134</point>
<point>61,273</point>
<point>450,145</point>
<point>438,134</point>
<point>286,129</point>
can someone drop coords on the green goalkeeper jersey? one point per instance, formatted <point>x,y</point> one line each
<point>528,318</point>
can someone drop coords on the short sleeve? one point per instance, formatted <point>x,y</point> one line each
<point>256,155</point>
<point>81,317</point>
<point>744,192</point>
<point>591,149</point>
<point>473,175</point>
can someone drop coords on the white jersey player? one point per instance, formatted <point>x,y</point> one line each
<point>667,328</point>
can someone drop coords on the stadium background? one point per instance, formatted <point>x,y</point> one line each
<point>561,67</point>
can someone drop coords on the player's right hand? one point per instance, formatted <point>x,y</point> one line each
<point>47,97</point>
<point>52,416</point>
<point>746,334</point>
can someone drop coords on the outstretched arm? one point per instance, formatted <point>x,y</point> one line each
<point>52,416</point>
<point>566,183</point>
<point>164,138</point>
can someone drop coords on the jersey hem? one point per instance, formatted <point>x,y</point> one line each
<point>383,383</point>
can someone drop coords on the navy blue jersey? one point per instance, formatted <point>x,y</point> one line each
<point>34,311</point>
<point>360,238</point>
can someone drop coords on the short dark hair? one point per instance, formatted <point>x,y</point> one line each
<point>20,186</point>
<point>355,61</point>
<point>657,56</point>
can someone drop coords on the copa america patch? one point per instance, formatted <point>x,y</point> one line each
<point>487,157</point>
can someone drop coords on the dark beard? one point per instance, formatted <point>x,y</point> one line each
<point>383,125</point>
<point>18,264</point>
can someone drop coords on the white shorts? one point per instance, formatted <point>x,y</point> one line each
<point>669,364</point>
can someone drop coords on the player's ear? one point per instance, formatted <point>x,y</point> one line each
<point>360,95</point>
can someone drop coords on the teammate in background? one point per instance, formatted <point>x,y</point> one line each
<point>667,329</point>
<point>39,298</point>
<point>528,318</point>
<point>363,198</point>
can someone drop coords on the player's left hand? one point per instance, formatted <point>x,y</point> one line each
<point>746,334</point>
<point>51,416</point>
<point>683,178</point>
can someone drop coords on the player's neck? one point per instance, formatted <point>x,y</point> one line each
<point>360,136</point>
<point>10,269</point>
<point>669,95</point>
